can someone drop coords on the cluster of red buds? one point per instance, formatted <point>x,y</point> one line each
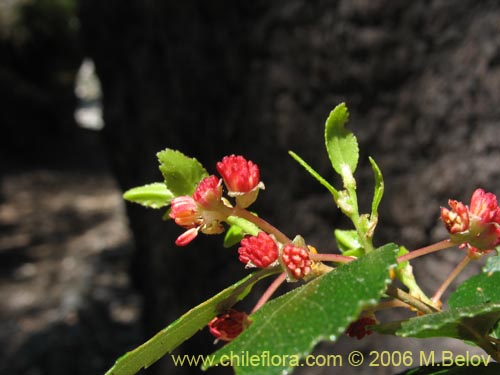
<point>476,227</point>
<point>205,211</point>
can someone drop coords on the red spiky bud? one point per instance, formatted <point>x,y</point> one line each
<point>258,251</point>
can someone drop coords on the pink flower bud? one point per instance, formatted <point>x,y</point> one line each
<point>258,251</point>
<point>208,193</point>
<point>184,211</point>
<point>242,179</point>
<point>484,206</point>
<point>477,227</point>
<point>296,260</point>
<point>228,325</point>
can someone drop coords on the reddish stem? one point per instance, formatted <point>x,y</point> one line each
<point>261,223</point>
<point>441,245</point>
<point>337,258</point>
<point>270,291</point>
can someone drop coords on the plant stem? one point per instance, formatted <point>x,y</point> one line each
<point>337,258</point>
<point>459,268</point>
<point>388,305</point>
<point>261,223</point>
<point>441,245</point>
<point>410,300</point>
<point>270,291</point>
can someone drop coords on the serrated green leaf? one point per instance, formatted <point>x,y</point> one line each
<point>155,195</point>
<point>379,188</point>
<point>291,325</point>
<point>466,323</point>
<point>492,264</point>
<point>341,144</point>
<point>183,328</point>
<point>444,368</point>
<point>181,173</point>
<point>315,174</point>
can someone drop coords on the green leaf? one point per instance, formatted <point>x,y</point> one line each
<point>322,309</point>
<point>348,242</point>
<point>379,188</point>
<point>316,175</point>
<point>155,195</point>
<point>183,328</point>
<point>182,174</point>
<point>479,289</point>
<point>492,264</point>
<point>341,144</point>
<point>469,323</point>
<point>238,229</point>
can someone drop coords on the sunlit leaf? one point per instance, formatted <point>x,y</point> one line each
<point>182,173</point>
<point>341,144</point>
<point>155,195</point>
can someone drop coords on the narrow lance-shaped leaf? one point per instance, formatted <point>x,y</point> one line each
<point>155,195</point>
<point>291,325</point>
<point>315,174</point>
<point>181,172</point>
<point>341,144</point>
<point>183,328</point>
<point>378,190</point>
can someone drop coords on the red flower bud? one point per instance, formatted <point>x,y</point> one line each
<point>477,227</point>
<point>242,179</point>
<point>228,325</point>
<point>296,260</point>
<point>208,193</point>
<point>258,251</point>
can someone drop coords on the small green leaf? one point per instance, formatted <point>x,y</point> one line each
<point>379,188</point>
<point>238,229</point>
<point>181,173</point>
<point>155,195</point>
<point>292,324</point>
<point>348,242</point>
<point>341,144</point>
<point>492,264</point>
<point>316,175</point>
<point>183,328</point>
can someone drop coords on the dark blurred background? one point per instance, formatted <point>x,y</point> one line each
<point>90,90</point>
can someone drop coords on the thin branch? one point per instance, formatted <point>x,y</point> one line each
<point>270,291</point>
<point>446,283</point>
<point>445,244</point>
